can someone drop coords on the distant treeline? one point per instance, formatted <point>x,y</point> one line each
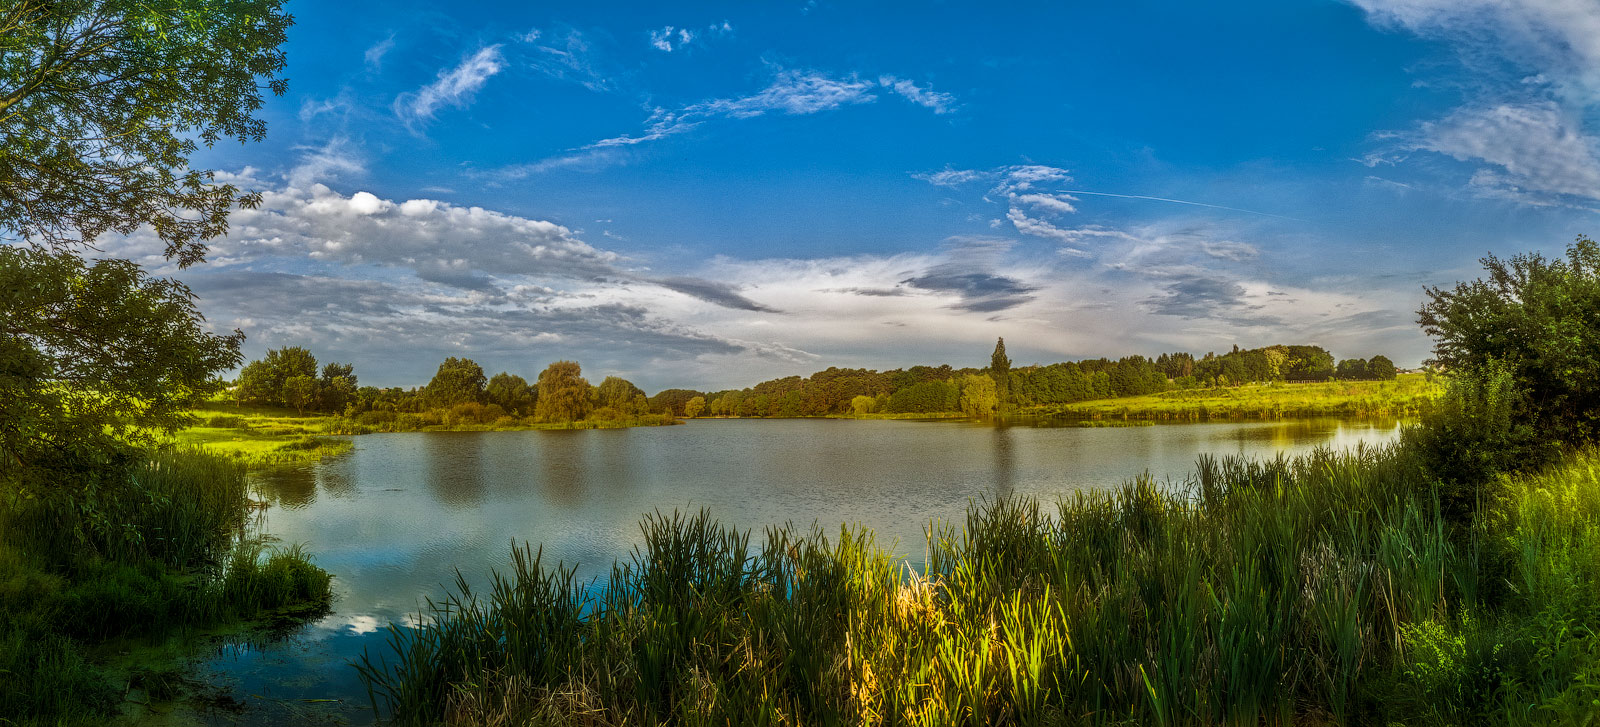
<point>459,394</point>
<point>943,389</point>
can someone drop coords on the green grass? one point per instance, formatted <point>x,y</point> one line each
<point>263,436</point>
<point>1320,590</point>
<point>1408,395</point>
<point>144,556</point>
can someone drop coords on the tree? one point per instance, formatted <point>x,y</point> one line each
<point>95,359</point>
<point>334,394</point>
<point>1355,369</point>
<point>618,394</point>
<point>979,396</point>
<point>335,370</point>
<point>1381,368</point>
<point>511,393</point>
<point>672,401</point>
<point>563,393</point>
<point>300,393</point>
<point>693,407</point>
<point>862,405</point>
<point>102,103</point>
<point>1000,369</point>
<point>1535,317</point>
<point>261,382</point>
<point>458,381</point>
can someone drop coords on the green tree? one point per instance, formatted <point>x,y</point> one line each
<point>1381,368</point>
<point>334,370</point>
<point>336,393</point>
<point>979,396</point>
<point>94,359</point>
<point>458,381</point>
<point>694,406</point>
<point>511,393</point>
<point>618,394</point>
<point>1536,317</point>
<point>1354,369</point>
<point>300,393</point>
<point>862,405</point>
<point>563,393</point>
<point>1000,370</point>
<point>103,102</point>
<point>261,382</point>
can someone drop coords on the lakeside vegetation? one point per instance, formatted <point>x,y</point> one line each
<point>1451,578</point>
<point>110,542</point>
<point>1408,395</point>
<point>1323,589</point>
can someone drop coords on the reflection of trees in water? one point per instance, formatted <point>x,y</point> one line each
<point>291,487</point>
<point>1005,459</point>
<point>612,453</point>
<point>563,460</point>
<point>455,467</point>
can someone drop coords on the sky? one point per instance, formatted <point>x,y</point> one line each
<point>710,195</point>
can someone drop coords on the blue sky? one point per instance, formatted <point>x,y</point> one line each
<point>710,195</point>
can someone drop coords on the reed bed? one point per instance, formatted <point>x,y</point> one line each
<point>1324,589</point>
<point>146,552</point>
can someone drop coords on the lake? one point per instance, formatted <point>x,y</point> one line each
<point>395,518</point>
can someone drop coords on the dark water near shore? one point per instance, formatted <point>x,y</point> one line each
<point>394,519</point>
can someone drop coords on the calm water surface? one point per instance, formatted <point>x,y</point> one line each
<point>394,519</point>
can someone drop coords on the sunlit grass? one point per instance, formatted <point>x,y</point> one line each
<point>1408,395</point>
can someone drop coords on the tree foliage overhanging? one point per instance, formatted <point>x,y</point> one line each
<point>102,103</point>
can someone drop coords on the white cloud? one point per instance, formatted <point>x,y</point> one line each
<point>669,38</point>
<point>567,55</point>
<point>1556,38</point>
<point>791,92</point>
<point>375,53</point>
<point>454,87</point>
<point>941,103</point>
<point>1535,65</point>
<point>1056,203</point>
<point>1536,145</point>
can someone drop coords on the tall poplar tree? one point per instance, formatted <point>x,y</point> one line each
<point>1000,371</point>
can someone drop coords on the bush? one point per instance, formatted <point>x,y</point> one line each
<point>226,421</point>
<point>1472,434</point>
<point>1536,318</point>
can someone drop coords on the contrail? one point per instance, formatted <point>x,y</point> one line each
<point>1180,201</point>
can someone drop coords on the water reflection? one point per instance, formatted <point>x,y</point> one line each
<point>1005,460</point>
<point>455,467</point>
<point>291,487</point>
<point>563,460</point>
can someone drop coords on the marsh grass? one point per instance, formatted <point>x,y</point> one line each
<point>164,549</point>
<point>1324,589</point>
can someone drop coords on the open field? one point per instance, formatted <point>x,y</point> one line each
<point>1408,395</point>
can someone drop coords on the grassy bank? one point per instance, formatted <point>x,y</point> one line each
<point>1320,590</point>
<point>1408,395</point>
<point>138,559</point>
<point>260,435</point>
